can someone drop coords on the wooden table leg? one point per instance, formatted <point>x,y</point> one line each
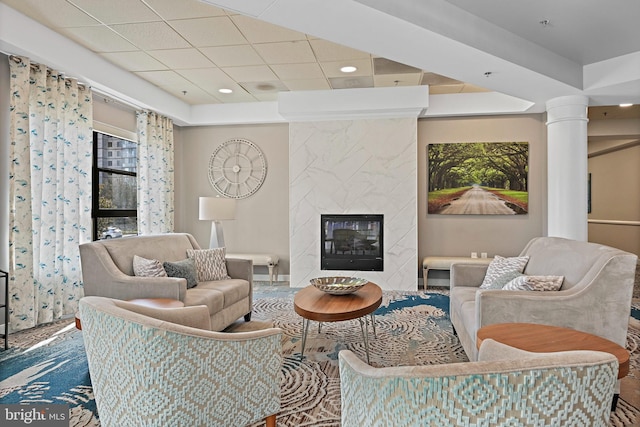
<point>270,421</point>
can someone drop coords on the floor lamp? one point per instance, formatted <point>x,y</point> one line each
<point>216,209</point>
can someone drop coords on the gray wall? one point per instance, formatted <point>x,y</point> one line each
<point>262,223</point>
<point>459,235</point>
<point>262,220</point>
<point>615,194</point>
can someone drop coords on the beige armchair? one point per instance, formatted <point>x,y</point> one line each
<point>506,386</point>
<point>163,367</point>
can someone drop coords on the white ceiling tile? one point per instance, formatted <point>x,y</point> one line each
<point>253,73</point>
<point>328,51</point>
<point>216,31</point>
<point>194,95</point>
<point>178,59</point>
<point>273,96</point>
<point>445,89</point>
<point>433,79</point>
<point>53,13</point>
<point>117,11</point>
<point>188,9</point>
<point>351,82</point>
<point>209,79</point>
<point>292,52</point>
<point>135,61</point>
<point>151,35</point>
<point>389,80</point>
<point>257,88</point>
<point>469,88</point>
<point>98,39</point>
<point>238,95</point>
<point>232,56</point>
<point>332,69</point>
<point>298,71</point>
<point>163,78</point>
<point>263,32</point>
<point>307,84</point>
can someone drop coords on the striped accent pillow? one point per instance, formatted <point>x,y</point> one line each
<point>210,263</point>
<point>502,270</point>
<point>535,283</point>
<point>148,267</point>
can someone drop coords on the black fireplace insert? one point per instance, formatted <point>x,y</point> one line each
<point>352,242</point>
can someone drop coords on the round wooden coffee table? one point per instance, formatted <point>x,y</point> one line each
<point>544,338</point>
<point>313,304</point>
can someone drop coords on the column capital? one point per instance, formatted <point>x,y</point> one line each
<point>565,108</point>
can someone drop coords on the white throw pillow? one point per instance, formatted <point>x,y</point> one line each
<point>210,263</point>
<point>502,270</point>
<point>148,267</point>
<point>535,283</point>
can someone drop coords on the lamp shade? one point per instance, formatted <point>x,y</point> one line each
<point>216,208</point>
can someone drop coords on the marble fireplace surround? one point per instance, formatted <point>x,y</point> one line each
<point>356,165</point>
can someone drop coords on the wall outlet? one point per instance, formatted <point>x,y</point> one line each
<point>483,255</point>
<point>474,254</point>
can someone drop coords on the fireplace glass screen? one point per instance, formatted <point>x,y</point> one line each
<point>352,242</point>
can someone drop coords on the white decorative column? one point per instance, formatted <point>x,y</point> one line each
<point>567,167</point>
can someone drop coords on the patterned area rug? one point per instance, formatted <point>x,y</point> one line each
<point>47,364</point>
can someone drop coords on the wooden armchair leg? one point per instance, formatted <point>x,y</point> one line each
<point>270,421</point>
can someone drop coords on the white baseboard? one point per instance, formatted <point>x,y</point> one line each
<point>265,277</point>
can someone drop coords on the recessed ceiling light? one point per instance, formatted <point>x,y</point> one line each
<point>626,105</point>
<point>225,90</point>
<point>348,69</point>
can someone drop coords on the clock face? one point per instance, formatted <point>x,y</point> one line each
<point>237,168</point>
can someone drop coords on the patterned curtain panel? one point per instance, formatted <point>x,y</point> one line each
<point>49,192</point>
<point>155,173</point>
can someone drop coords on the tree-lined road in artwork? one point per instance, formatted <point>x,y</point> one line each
<point>478,201</point>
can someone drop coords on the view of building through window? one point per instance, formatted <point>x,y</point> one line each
<point>114,187</point>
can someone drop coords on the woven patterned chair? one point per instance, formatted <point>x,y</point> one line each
<point>507,387</point>
<point>163,367</point>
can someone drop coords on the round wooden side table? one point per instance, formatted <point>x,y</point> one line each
<point>545,338</point>
<point>146,302</point>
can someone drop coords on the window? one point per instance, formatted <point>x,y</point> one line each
<point>115,198</point>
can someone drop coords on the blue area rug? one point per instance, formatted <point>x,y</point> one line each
<point>48,365</point>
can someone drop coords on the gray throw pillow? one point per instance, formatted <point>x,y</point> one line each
<point>185,269</point>
<point>535,283</point>
<point>502,270</point>
<point>147,267</point>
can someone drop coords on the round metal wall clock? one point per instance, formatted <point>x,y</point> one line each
<point>237,168</point>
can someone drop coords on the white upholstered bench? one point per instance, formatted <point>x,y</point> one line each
<point>268,260</point>
<point>444,263</point>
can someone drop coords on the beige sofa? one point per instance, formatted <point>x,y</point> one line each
<point>107,271</point>
<point>595,296</point>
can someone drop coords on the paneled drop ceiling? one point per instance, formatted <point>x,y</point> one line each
<point>192,50</point>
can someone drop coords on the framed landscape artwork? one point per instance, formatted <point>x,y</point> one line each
<point>478,178</point>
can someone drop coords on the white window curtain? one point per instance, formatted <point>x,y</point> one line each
<point>49,192</point>
<point>155,173</point>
